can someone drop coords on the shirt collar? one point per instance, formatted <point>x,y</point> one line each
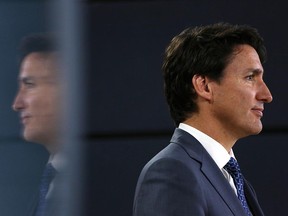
<point>218,153</point>
<point>57,160</point>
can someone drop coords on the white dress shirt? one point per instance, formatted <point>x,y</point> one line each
<point>57,162</point>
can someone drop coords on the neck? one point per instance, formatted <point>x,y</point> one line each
<point>214,131</point>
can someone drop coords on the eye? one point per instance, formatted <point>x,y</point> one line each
<point>250,77</point>
<point>28,83</point>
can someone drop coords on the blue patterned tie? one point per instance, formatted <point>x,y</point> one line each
<point>47,177</point>
<point>233,169</point>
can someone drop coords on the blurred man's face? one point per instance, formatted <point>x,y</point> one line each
<point>38,99</point>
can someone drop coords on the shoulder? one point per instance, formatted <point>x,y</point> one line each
<point>171,175</point>
<point>173,163</point>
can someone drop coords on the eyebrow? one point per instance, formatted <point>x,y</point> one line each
<point>256,71</point>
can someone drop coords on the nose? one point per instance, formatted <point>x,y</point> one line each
<point>264,94</point>
<point>18,103</point>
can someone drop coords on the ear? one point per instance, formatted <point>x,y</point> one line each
<point>202,86</point>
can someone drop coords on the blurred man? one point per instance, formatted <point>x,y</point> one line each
<point>213,78</point>
<point>38,104</point>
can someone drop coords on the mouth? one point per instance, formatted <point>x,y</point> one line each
<point>258,111</point>
<point>24,119</point>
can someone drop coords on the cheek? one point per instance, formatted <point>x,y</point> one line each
<point>43,106</point>
<point>239,93</point>
<point>232,101</point>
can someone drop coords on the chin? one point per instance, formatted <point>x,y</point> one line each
<point>252,131</point>
<point>29,137</point>
<point>257,130</point>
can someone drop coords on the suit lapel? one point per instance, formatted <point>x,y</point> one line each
<point>33,204</point>
<point>252,200</point>
<point>209,169</point>
<point>221,185</point>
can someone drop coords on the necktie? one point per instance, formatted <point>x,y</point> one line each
<point>233,169</point>
<point>47,177</point>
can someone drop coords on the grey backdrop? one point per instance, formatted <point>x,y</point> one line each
<point>127,120</point>
<point>127,117</point>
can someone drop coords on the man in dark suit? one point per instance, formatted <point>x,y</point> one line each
<point>213,80</point>
<point>38,103</point>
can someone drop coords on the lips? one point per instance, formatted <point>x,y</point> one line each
<point>24,118</point>
<point>258,111</point>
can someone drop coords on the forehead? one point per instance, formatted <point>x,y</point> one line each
<point>244,58</point>
<point>39,65</point>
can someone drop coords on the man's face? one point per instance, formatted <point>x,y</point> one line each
<point>240,96</point>
<point>38,100</point>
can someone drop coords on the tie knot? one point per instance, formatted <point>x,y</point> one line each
<point>232,167</point>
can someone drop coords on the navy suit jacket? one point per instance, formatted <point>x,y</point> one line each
<point>183,180</point>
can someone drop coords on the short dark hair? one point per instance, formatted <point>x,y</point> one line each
<point>38,42</point>
<point>203,50</point>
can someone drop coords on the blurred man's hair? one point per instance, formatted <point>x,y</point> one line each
<point>38,42</point>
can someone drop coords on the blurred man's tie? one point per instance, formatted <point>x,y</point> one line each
<point>47,177</point>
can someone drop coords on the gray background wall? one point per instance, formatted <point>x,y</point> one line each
<point>127,120</point>
<point>127,117</point>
